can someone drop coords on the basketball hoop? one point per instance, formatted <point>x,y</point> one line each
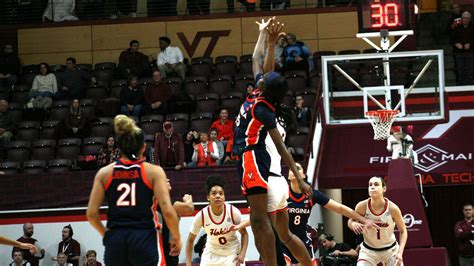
<point>381,121</point>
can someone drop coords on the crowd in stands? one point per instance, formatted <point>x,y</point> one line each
<point>72,10</point>
<point>462,39</point>
<point>62,115</point>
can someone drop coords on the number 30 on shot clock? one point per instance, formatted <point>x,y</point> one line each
<point>376,15</point>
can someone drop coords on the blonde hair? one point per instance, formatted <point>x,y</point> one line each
<point>130,138</point>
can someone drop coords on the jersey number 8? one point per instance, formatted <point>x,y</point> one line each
<point>128,189</point>
<point>297,220</point>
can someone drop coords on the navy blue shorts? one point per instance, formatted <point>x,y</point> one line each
<point>290,258</point>
<point>254,168</point>
<point>137,247</point>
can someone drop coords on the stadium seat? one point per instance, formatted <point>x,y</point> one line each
<point>201,66</point>
<point>241,82</point>
<point>48,129</point>
<point>20,94</point>
<point>59,110</point>
<point>105,65</point>
<point>57,68</point>
<point>180,122</point>
<point>18,151</point>
<point>68,148</point>
<point>10,168</point>
<point>201,122</point>
<point>27,79</point>
<point>34,167</point>
<point>226,64</point>
<point>150,140</point>
<point>27,130</point>
<point>315,81</point>
<point>232,100</point>
<point>59,166</point>
<point>296,82</point>
<point>96,92</point>
<point>220,84</point>
<point>104,77</point>
<point>108,107</point>
<point>309,97</point>
<point>15,110</point>
<point>296,72</point>
<point>196,85</point>
<point>151,126</point>
<point>175,84</point>
<point>84,67</point>
<point>207,102</point>
<point>43,149</point>
<point>317,58</point>
<point>144,82</point>
<point>88,107</point>
<point>119,82</point>
<point>115,91</point>
<point>245,64</point>
<point>101,129</point>
<point>30,69</point>
<point>298,139</point>
<point>351,51</point>
<point>92,145</point>
<point>288,99</point>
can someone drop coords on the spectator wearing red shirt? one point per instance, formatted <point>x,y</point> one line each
<point>157,95</point>
<point>464,233</point>
<point>169,148</point>
<point>224,126</point>
<point>205,153</point>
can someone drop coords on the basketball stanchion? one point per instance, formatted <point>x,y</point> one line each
<point>381,121</point>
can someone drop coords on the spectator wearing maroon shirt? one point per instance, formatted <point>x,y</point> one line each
<point>464,233</point>
<point>28,231</point>
<point>169,148</point>
<point>133,62</point>
<point>224,126</point>
<point>70,247</point>
<point>91,259</point>
<point>157,95</point>
<point>463,49</point>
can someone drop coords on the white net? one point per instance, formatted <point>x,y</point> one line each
<point>382,121</point>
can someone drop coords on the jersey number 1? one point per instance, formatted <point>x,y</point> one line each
<point>128,189</point>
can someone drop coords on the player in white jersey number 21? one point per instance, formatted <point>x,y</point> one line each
<point>223,247</point>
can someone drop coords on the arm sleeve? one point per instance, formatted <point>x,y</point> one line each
<point>345,247</point>
<point>265,115</point>
<point>197,224</point>
<point>320,198</point>
<point>55,83</point>
<point>195,156</point>
<point>180,55</point>
<point>459,233</point>
<point>35,83</point>
<point>306,52</point>
<point>215,153</point>
<point>389,143</point>
<point>160,61</point>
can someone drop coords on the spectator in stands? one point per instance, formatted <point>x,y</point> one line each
<point>170,59</point>
<point>163,7</point>
<point>190,140</point>
<point>279,48</point>
<point>62,260</point>
<point>206,152</point>
<point>198,7</point>
<point>18,259</point>
<point>133,62</point>
<point>338,250</point>
<point>169,148</point>
<point>220,145</point>
<point>248,5</point>
<point>91,259</point>
<point>464,233</point>
<point>295,54</point>
<point>75,125</point>
<point>303,113</point>
<point>10,67</point>
<point>73,81</point>
<point>131,98</point>
<point>250,87</point>
<point>463,41</point>
<point>400,143</point>
<point>33,259</point>
<point>68,247</point>
<point>7,124</point>
<point>157,95</point>
<point>109,153</point>
<point>455,19</point>
<point>44,89</point>
<point>224,126</point>
<point>60,10</point>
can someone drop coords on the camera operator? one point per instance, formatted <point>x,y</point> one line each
<point>401,144</point>
<point>337,253</point>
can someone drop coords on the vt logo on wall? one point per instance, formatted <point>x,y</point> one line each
<point>214,35</point>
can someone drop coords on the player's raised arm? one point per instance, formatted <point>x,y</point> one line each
<point>274,30</point>
<point>259,50</point>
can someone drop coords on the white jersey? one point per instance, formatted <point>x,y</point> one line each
<point>275,164</point>
<point>384,237</point>
<point>220,240</point>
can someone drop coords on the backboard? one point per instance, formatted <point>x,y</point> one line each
<point>411,82</point>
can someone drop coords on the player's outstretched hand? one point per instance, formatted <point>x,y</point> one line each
<point>175,246</point>
<point>357,228</point>
<point>305,188</point>
<point>33,249</point>
<point>239,260</point>
<point>370,225</point>
<point>264,24</point>
<point>275,28</point>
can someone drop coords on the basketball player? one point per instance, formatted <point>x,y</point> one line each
<point>299,210</point>
<point>133,189</point>
<point>222,246</point>
<point>380,246</point>
<point>10,242</point>
<point>256,118</point>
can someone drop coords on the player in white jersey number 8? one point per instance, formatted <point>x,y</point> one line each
<point>223,247</point>
<point>380,246</point>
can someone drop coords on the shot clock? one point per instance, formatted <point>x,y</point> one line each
<point>376,15</point>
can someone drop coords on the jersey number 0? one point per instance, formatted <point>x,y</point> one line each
<point>128,190</point>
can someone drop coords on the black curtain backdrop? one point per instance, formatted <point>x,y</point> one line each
<point>444,210</point>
